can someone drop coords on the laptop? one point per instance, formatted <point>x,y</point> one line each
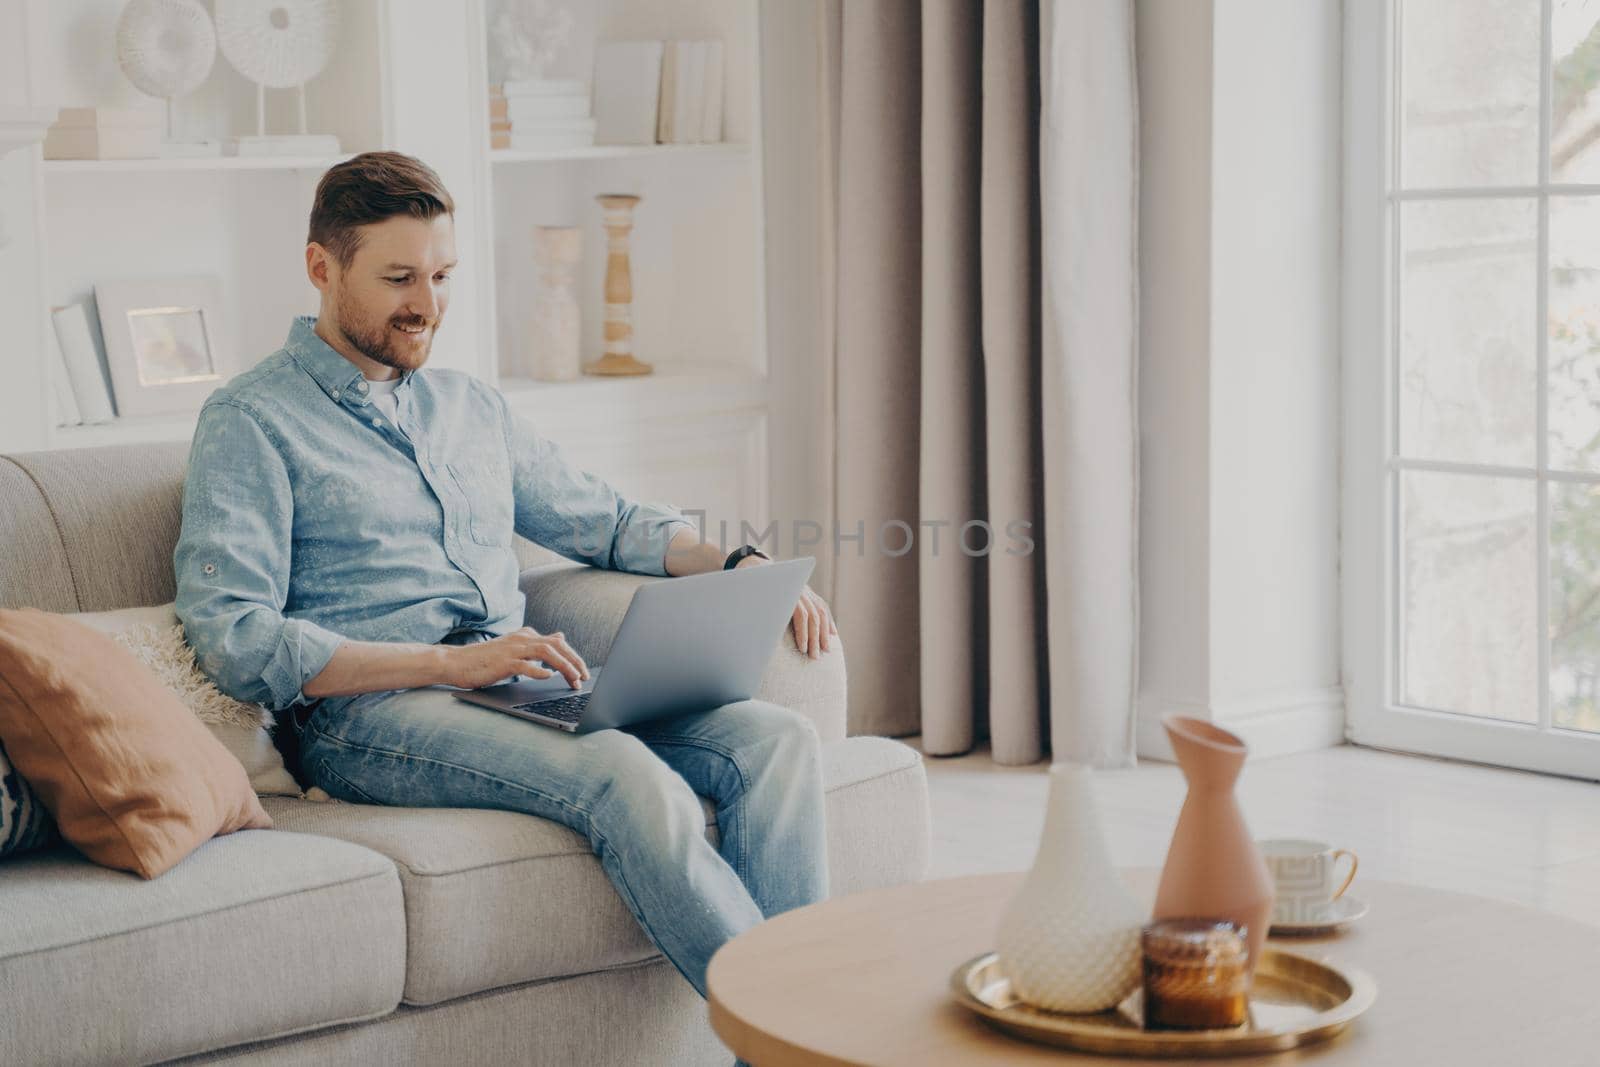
<point>687,644</point>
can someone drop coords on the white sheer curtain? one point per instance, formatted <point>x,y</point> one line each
<point>1089,173</point>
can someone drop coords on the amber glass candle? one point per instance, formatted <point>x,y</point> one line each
<point>1195,975</point>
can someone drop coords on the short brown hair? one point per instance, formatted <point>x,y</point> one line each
<point>369,188</point>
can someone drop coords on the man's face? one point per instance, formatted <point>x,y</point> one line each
<point>390,299</point>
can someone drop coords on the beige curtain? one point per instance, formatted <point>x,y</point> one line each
<point>985,570</point>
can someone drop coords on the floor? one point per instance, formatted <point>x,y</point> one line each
<point>1521,837</point>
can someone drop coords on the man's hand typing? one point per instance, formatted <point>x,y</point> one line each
<point>525,651</point>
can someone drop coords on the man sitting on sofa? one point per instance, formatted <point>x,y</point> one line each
<point>347,553</point>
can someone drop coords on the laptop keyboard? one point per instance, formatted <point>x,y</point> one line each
<point>567,709</point>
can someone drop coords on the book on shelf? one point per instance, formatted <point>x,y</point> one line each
<point>105,133</point>
<point>66,404</point>
<point>627,91</point>
<point>571,125</point>
<point>550,140</point>
<point>285,144</point>
<point>531,110</point>
<point>671,71</point>
<point>82,361</point>
<point>543,87</point>
<point>105,142</point>
<point>691,93</point>
<point>109,118</point>
<point>689,104</point>
<point>711,128</point>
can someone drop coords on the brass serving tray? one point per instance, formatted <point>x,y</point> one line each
<point>1293,1001</point>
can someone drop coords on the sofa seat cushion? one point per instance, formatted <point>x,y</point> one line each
<point>254,935</point>
<point>494,898</point>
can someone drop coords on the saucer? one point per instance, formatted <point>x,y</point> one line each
<point>1341,913</point>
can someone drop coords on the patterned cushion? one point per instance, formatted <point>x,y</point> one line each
<point>24,823</point>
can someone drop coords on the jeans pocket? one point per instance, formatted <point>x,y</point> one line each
<point>337,785</point>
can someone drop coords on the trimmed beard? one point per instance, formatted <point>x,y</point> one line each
<point>375,342</point>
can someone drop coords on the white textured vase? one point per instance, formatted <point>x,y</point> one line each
<point>556,354</point>
<point>1069,939</point>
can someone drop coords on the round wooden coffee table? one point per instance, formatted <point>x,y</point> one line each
<point>863,979</point>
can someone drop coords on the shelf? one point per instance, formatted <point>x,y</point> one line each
<point>724,149</point>
<point>673,390</point>
<point>190,163</point>
<point>141,430</point>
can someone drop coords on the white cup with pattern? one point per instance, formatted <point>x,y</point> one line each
<point>1306,877</point>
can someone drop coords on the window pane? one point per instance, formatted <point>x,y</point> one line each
<point>1470,639</point>
<point>1575,333</point>
<point>1574,104</point>
<point>1575,606</point>
<point>1469,92</point>
<point>1468,320</point>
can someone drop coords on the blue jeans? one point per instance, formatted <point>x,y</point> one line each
<point>631,793</point>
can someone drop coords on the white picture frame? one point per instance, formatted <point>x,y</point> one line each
<point>164,341</point>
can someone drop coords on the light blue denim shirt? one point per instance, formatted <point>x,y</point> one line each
<point>309,518</point>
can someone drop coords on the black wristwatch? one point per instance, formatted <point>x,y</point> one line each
<point>740,554</point>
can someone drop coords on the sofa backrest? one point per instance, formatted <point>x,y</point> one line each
<point>90,529</point>
<point>93,529</point>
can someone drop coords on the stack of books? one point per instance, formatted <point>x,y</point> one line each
<point>540,115</point>
<point>105,133</point>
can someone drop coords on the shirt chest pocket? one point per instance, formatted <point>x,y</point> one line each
<point>486,484</point>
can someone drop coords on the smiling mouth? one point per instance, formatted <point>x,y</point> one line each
<point>412,330</point>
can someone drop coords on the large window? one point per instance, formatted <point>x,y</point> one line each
<point>1473,378</point>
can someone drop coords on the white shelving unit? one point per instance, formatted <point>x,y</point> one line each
<point>125,166</point>
<point>619,151</point>
<point>694,432</point>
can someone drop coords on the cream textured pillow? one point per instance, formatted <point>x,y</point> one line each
<point>155,637</point>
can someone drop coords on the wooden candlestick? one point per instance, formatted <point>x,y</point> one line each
<point>618,358</point>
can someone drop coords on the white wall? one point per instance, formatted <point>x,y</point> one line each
<point>1275,350</point>
<point>792,50</point>
<point>1240,137</point>
<point>1174,316</point>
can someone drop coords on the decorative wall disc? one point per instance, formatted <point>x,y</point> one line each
<point>277,43</point>
<point>165,47</point>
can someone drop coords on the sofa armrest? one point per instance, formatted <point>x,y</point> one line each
<point>587,605</point>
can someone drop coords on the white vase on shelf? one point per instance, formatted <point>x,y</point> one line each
<point>556,353</point>
<point>1069,939</point>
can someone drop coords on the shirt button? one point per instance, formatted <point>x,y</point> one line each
<point>377,422</point>
<point>336,394</point>
<point>210,568</point>
<point>361,386</point>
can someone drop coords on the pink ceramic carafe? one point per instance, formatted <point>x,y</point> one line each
<point>1213,869</point>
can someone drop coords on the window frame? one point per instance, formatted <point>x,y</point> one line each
<point>1370,526</point>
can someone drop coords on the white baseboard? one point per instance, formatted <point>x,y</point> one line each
<point>1274,724</point>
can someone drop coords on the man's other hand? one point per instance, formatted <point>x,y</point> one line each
<point>525,651</point>
<point>812,623</point>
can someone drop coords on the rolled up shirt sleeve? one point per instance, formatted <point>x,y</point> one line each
<point>232,565</point>
<point>578,515</point>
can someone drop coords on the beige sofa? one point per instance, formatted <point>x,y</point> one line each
<point>356,934</point>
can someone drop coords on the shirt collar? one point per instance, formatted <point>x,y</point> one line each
<point>335,374</point>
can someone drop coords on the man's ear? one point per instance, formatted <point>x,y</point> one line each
<point>320,266</point>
